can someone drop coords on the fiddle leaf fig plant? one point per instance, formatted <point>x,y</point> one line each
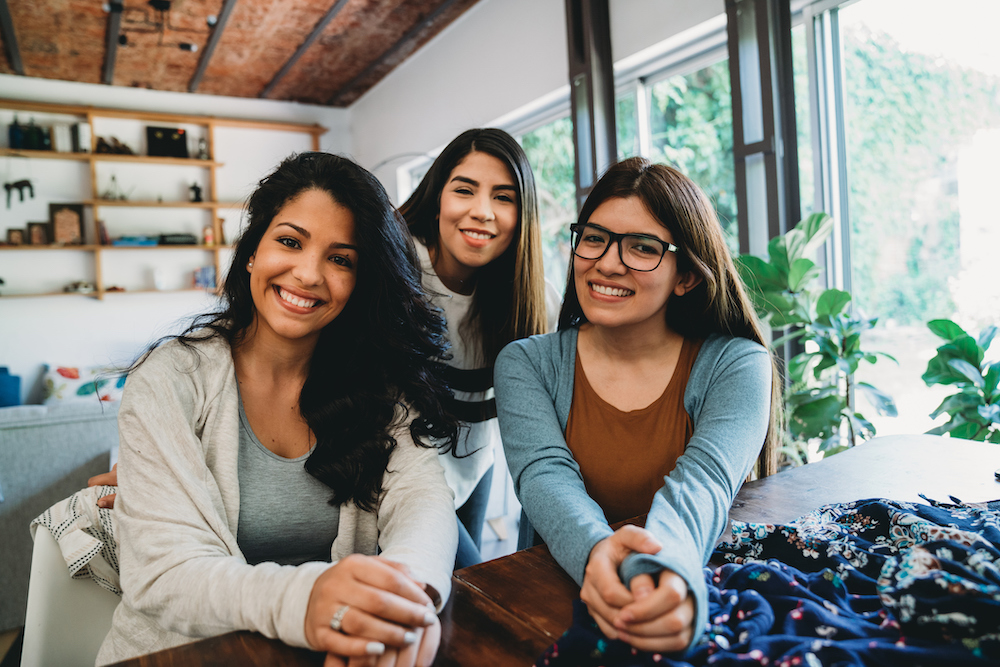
<point>787,296</point>
<point>974,411</point>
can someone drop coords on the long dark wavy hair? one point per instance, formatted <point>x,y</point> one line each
<point>719,303</point>
<point>374,355</point>
<point>509,301</point>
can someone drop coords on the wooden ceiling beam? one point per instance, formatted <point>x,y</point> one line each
<point>334,10</point>
<point>213,41</point>
<point>10,39</point>
<point>403,41</point>
<point>111,48</point>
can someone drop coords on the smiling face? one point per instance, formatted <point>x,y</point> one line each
<point>611,294</point>
<point>478,218</point>
<point>305,267</point>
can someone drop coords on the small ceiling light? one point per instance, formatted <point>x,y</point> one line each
<point>160,5</point>
<point>123,39</point>
<point>185,46</point>
<point>211,19</point>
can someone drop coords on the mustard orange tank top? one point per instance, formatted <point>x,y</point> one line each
<point>624,456</point>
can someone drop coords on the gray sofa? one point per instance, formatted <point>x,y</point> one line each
<point>46,454</point>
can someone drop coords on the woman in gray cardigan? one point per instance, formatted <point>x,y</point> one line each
<point>285,432</point>
<point>656,396</point>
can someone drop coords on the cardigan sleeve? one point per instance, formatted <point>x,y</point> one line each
<point>546,477</point>
<point>416,514</point>
<point>728,398</point>
<point>180,565</point>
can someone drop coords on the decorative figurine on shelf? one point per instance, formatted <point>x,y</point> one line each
<point>195,192</point>
<point>203,150</point>
<point>19,186</point>
<point>114,191</point>
<point>208,234</point>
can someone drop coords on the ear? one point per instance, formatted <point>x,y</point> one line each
<point>688,282</point>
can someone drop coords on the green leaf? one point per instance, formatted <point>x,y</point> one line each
<point>965,430</point>
<point>986,337</point>
<point>832,302</point>
<point>778,342</point>
<point>758,275</point>
<point>817,229</point>
<point>939,372</point>
<point>956,403</point>
<point>946,329</point>
<point>994,436</point>
<point>991,378</point>
<point>969,371</point>
<point>881,401</point>
<point>820,417</point>
<point>801,272</point>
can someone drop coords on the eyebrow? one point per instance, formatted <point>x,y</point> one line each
<point>642,234</point>
<point>465,179</point>
<point>302,230</point>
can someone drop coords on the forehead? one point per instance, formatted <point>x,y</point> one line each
<point>484,168</point>
<point>628,215</point>
<point>318,213</point>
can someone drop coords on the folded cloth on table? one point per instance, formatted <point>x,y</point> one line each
<point>869,582</point>
<point>85,534</point>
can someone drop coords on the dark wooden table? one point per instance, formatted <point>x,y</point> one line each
<point>507,611</point>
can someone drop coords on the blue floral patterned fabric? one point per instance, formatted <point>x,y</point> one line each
<point>873,582</point>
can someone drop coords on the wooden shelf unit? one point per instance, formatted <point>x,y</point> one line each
<point>88,114</point>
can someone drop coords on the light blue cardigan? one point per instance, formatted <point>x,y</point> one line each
<point>728,399</point>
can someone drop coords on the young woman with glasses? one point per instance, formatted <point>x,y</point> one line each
<point>655,397</point>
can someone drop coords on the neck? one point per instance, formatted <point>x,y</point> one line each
<point>644,341</point>
<point>457,277</point>
<point>266,356</point>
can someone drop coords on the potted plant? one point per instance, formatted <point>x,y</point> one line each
<point>974,410</point>
<point>819,379</point>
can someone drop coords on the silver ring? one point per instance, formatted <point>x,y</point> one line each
<point>338,618</point>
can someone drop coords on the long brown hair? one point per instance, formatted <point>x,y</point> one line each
<point>719,303</point>
<point>509,301</point>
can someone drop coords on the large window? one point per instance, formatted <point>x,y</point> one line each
<point>919,94</point>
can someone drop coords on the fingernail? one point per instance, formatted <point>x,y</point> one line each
<point>375,648</point>
<point>429,618</point>
<point>409,637</point>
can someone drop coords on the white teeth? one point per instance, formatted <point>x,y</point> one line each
<point>477,235</point>
<point>296,301</point>
<point>611,291</point>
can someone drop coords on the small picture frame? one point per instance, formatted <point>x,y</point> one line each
<point>15,237</point>
<point>39,233</point>
<point>66,222</point>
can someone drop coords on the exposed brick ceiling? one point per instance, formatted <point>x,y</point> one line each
<point>252,51</point>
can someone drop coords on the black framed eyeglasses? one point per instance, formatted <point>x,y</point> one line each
<point>638,252</point>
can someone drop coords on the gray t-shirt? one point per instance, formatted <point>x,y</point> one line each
<point>285,515</point>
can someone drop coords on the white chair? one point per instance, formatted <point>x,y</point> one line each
<point>67,618</point>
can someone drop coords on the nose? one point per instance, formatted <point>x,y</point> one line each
<point>308,269</point>
<point>610,262</point>
<point>483,208</point>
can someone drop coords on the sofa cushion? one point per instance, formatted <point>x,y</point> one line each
<point>82,384</point>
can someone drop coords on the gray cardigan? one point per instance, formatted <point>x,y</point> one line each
<point>182,573</point>
<point>728,399</point>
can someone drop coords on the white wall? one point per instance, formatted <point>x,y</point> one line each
<point>496,59</point>
<point>81,331</point>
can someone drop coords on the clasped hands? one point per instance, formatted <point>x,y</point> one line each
<point>650,615</point>
<point>390,620</point>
